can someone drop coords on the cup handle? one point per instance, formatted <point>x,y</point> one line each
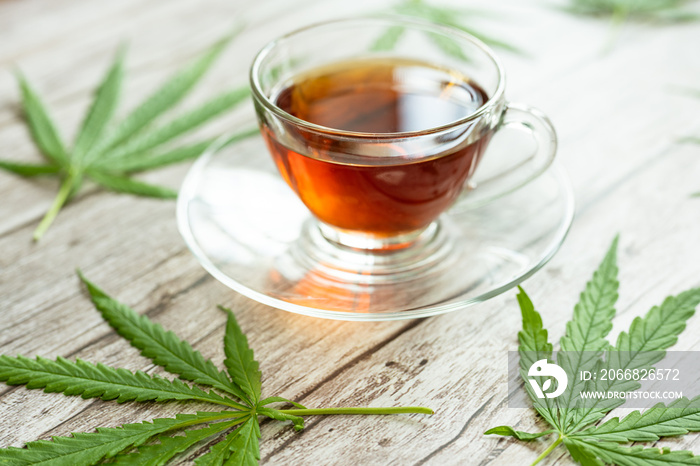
<point>512,168</point>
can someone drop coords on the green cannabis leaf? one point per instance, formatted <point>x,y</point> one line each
<point>645,10</point>
<point>155,442</point>
<point>576,423</point>
<point>619,11</point>
<point>109,154</point>
<point>449,16</point>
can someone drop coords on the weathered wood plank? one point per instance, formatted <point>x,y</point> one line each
<point>617,121</point>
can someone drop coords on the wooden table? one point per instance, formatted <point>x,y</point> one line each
<point>618,115</point>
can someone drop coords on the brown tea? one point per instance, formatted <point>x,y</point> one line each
<point>377,97</point>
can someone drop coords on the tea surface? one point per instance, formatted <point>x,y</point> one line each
<point>381,96</point>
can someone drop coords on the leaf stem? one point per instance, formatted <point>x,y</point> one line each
<point>326,411</point>
<point>59,200</point>
<point>619,15</point>
<point>548,450</point>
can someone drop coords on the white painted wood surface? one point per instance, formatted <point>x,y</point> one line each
<point>618,117</point>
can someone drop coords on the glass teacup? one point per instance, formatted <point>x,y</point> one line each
<point>380,140</point>
<point>368,139</point>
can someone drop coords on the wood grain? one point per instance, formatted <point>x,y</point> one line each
<point>618,119</point>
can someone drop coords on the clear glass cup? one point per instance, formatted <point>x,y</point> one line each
<point>356,238</point>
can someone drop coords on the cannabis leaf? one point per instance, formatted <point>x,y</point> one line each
<point>644,10</point>
<point>586,332</point>
<point>108,154</point>
<point>240,361</point>
<point>678,418</point>
<point>619,11</point>
<point>156,442</point>
<point>449,16</point>
<point>575,420</point>
<point>89,448</point>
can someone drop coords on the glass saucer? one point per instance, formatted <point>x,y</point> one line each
<point>250,231</point>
